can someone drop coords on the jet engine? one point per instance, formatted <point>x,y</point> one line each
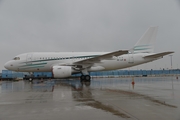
<point>61,71</point>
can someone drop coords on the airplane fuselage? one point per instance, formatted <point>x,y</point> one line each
<point>64,64</point>
<point>44,61</point>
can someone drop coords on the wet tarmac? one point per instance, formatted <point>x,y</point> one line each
<point>151,98</point>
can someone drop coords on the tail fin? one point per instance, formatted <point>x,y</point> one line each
<point>146,42</point>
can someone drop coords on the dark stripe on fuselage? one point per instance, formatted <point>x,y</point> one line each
<point>33,64</point>
<point>31,67</point>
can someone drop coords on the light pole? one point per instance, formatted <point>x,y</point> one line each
<point>171,61</point>
<point>171,71</point>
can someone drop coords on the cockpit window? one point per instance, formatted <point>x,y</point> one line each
<point>16,58</point>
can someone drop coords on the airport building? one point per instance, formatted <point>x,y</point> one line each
<point>10,75</point>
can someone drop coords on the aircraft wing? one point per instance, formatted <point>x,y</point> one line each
<point>102,57</point>
<point>158,55</point>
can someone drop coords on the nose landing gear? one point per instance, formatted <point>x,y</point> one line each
<point>30,79</point>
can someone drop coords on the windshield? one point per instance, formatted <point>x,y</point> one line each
<point>16,58</point>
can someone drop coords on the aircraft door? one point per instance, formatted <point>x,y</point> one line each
<point>29,59</point>
<point>131,58</point>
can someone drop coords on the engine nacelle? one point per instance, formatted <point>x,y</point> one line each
<point>61,71</point>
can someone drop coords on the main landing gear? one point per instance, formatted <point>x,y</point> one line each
<point>85,78</point>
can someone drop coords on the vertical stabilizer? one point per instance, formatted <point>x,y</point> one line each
<point>146,42</point>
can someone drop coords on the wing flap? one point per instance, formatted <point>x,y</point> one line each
<point>158,55</point>
<point>102,57</point>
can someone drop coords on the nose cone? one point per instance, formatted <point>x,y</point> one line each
<point>8,65</point>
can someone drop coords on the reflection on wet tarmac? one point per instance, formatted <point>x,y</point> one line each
<point>114,98</point>
<point>146,97</point>
<point>83,94</point>
<point>35,86</point>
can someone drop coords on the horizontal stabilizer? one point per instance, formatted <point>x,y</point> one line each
<point>158,55</point>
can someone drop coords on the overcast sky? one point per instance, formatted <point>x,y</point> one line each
<point>88,25</point>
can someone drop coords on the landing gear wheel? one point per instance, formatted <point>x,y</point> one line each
<point>85,78</point>
<point>82,77</point>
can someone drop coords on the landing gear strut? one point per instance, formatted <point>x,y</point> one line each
<point>85,78</point>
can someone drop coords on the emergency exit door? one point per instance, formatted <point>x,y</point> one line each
<point>131,58</point>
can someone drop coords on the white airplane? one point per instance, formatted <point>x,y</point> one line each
<point>64,64</point>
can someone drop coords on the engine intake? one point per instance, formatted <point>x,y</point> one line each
<point>61,71</point>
